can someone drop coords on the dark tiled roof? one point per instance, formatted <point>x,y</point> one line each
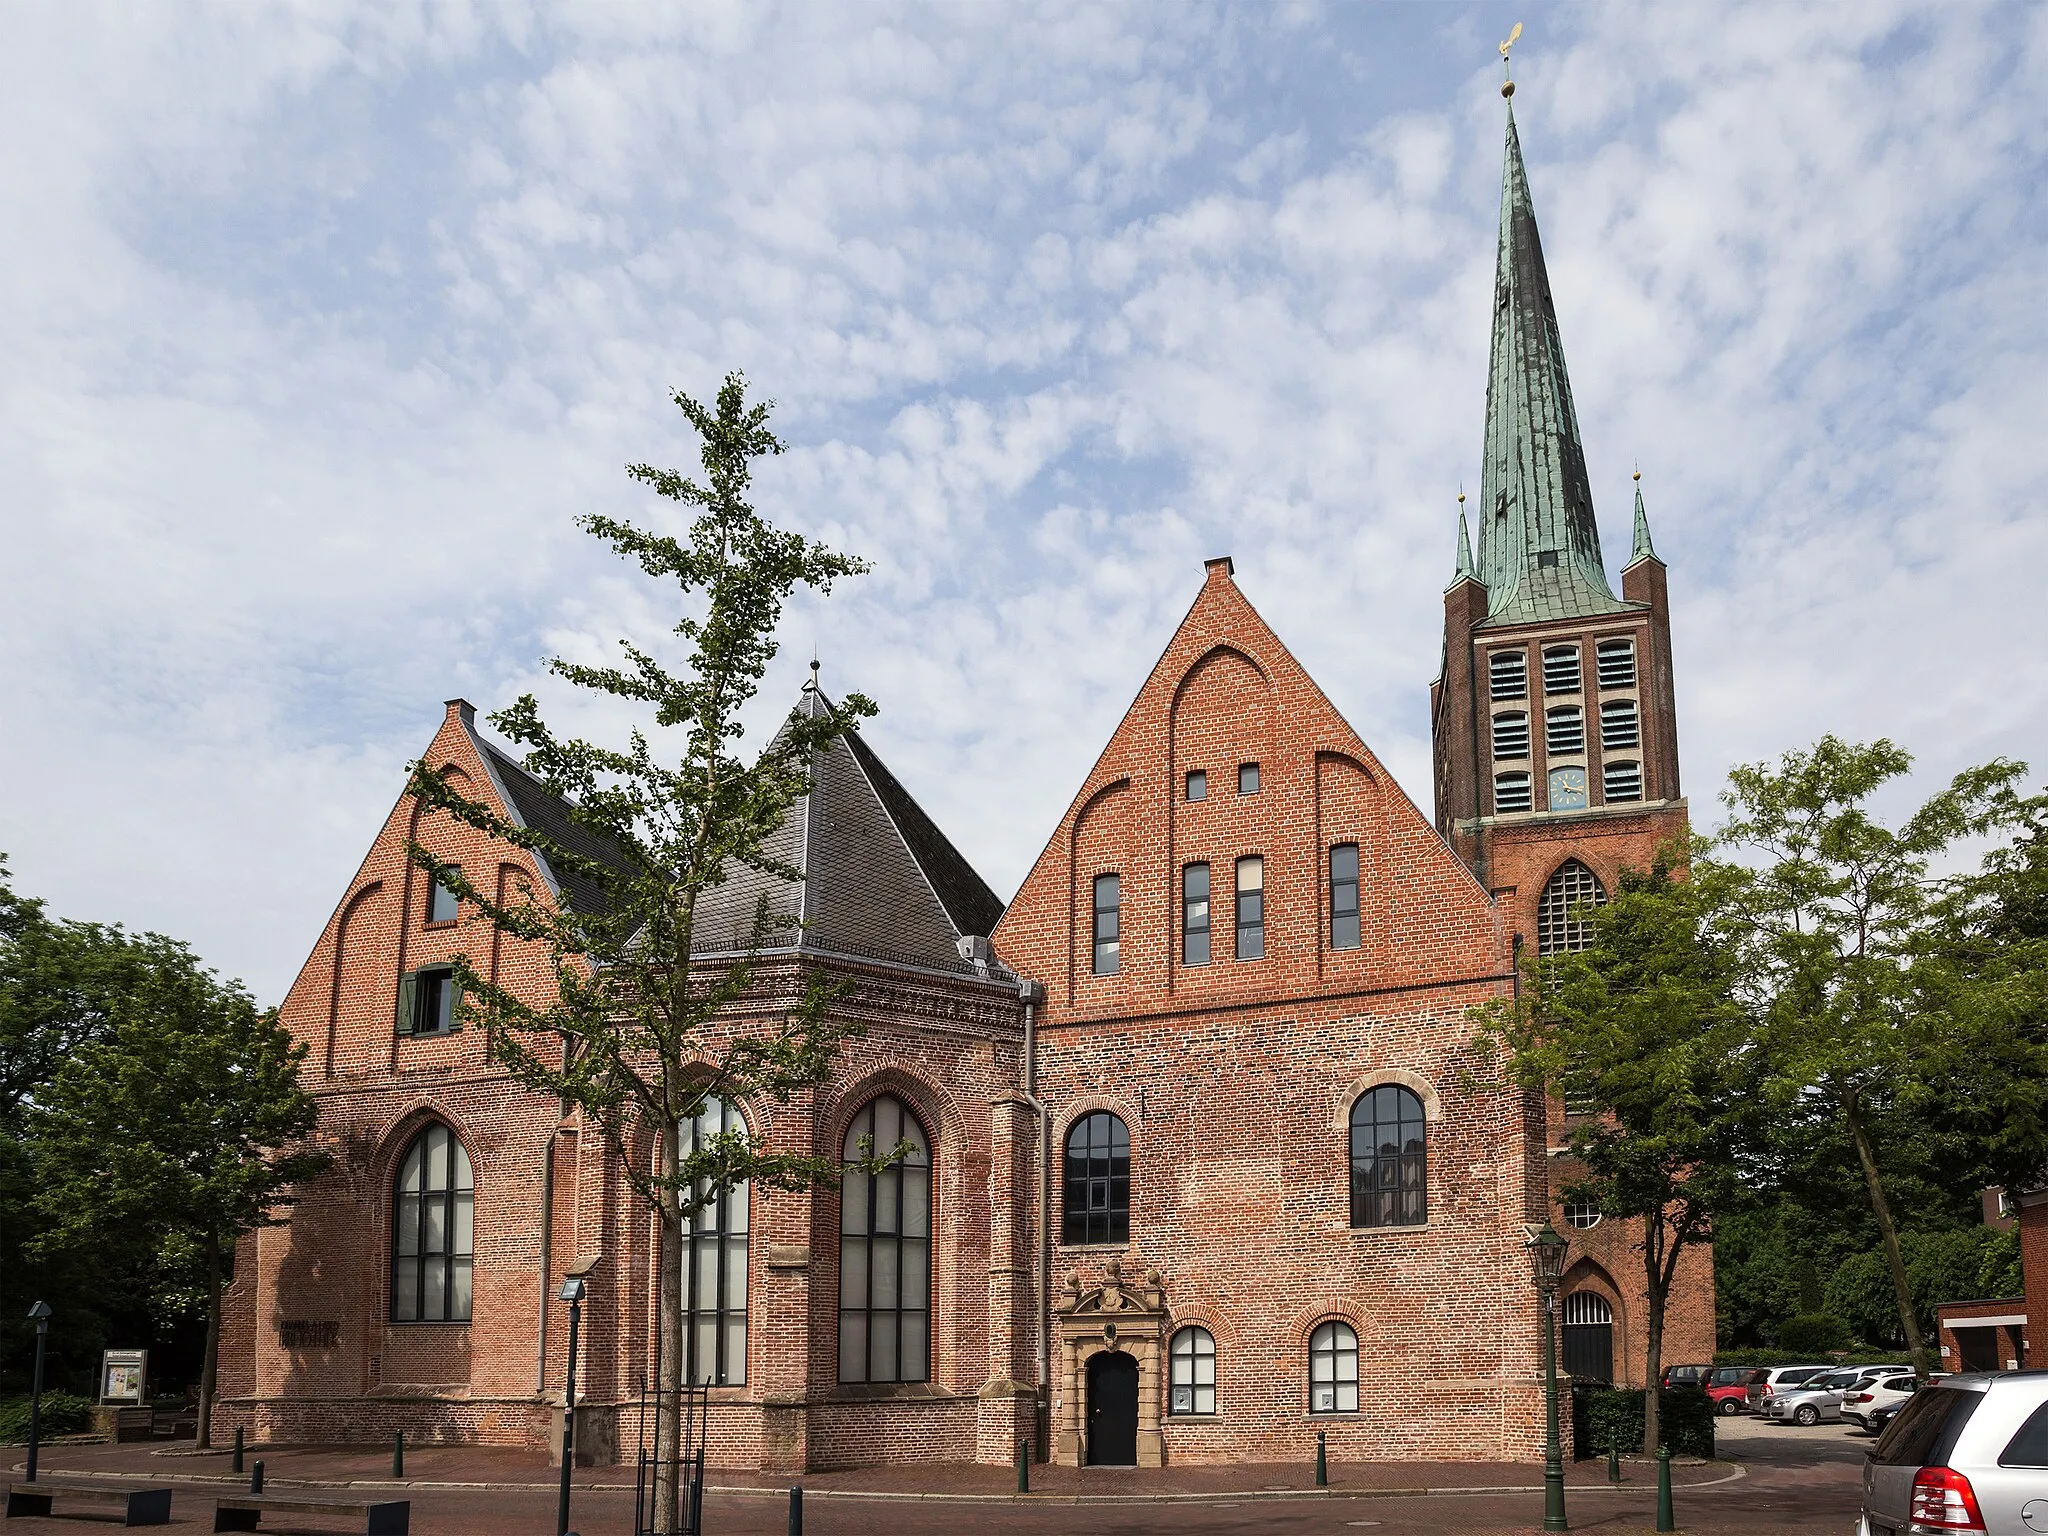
<point>537,808</point>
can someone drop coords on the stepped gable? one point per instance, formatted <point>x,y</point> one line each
<point>881,881</point>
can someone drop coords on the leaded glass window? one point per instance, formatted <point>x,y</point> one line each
<point>1098,1180</point>
<point>1191,1379</point>
<point>1108,899</point>
<point>1333,1369</point>
<point>1389,1159</point>
<point>433,1231</point>
<point>1557,929</point>
<point>885,1262</point>
<point>715,1261</point>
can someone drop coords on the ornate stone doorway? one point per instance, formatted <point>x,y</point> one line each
<point>1111,1343</point>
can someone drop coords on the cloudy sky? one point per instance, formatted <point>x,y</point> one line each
<point>319,323</point>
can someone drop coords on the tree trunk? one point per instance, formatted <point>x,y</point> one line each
<point>1895,1258</point>
<point>209,1364</point>
<point>674,1350</point>
<point>1653,1357</point>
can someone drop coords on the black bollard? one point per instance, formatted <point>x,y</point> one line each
<point>256,1478</point>
<point>398,1454</point>
<point>796,1512</point>
<point>1664,1520</point>
<point>238,1448</point>
<point>1023,1466</point>
<point>1614,1463</point>
<point>1322,1462</point>
<point>697,1496</point>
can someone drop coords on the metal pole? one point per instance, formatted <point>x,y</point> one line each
<point>35,1396</point>
<point>1023,1466</point>
<point>398,1454</point>
<point>238,1448</point>
<point>1322,1462</point>
<point>256,1478</point>
<point>1553,1449</point>
<point>796,1511</point>
<point>1664,1519</point>
<point>568,1425</point>
<point>1614,1461</point>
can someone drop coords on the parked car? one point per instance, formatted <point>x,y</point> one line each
<point>1782,1378</point>
<point>1864,1399</point>
<point>1879,1417</point>
<point>1687,1375</point>
<point>1729,1386</point>
<point>1966,1453</point>
<point>1821,1398</point>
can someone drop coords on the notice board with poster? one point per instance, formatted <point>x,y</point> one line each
<point>123,1373</point>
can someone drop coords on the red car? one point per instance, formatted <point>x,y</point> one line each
<point>1729,1385</point>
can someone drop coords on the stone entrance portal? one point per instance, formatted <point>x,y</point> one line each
<point>1112,1340</point>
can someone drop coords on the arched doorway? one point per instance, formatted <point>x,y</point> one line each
<point>1588,1337</point>
<point>1112,1410</point>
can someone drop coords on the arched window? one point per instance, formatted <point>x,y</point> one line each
<point>1588,1337</point>
<point>715,1262</point>
<point>1098,1205</point>
<point>1389,1159</point>
<point>1583,1214</point>
<point>1333,1369</point>
<point>1192,1382</point>
<point>885,1259</point>
<point>1557,929</point>
<point>433,1230</point>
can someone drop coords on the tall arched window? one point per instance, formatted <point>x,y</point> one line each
<point>1389,1159</point>
<point>1098,1203</point>
<point>1557,930</point>
<point>885,1259</point>
<point>1191,1386</point>
<point>433,1226</point>
<point>1333,1369</point>
<point>715,1262</point>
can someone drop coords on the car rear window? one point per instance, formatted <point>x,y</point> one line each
<point>1926,1429</point>
<point>2029,1448</point>
<point>1729,1375</point>
<point>1804,1373</point>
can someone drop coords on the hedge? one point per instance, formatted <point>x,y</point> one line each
<point>1604,1416</point>
<point>63,1414</point>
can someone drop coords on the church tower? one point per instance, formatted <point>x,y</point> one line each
<point>1556,740</point>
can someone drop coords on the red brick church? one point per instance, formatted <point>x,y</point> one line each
<point>1207,1161</point>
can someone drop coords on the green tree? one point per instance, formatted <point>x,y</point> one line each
<point>183,1125</point>
<point>1837,908</point>
<point>1643,1027</point>
<point>633,1010</point>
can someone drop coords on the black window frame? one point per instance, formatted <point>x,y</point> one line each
<point>1248,778</point>
<point>893,1193</point>
<point>1389,1189</point>
<point>1248,910</point>
<point>445,1250</point>
<point>427,1002</point>
<point>1327,1342</point>
<point>436,892</point>
<point>1197,784</point>
<point>1197,914</point>
<point>1106,930</point>
<point>1571,884</point>
<point>1346,915</point>
<point>1095,1182</point>
<point>1184,1373</point>
<point>719,1234</point>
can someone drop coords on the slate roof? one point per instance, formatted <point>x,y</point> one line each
<point>533,806</point>
<point>1539,546</point>
<point>880,879</point>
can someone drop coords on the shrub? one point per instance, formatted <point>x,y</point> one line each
<point>63,1414</point>
<point>1604,1416</point>
<point>1813,1333</point>
<point>1829,1357</point>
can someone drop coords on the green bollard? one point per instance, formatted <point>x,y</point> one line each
<point>1664,1520</point>
<point>238,1448</point>
<point>256,1478</point>
<point>1023,1466</point>
<point>1322,1462</point>
<point>398,1454</point>
<point>1614,1465</point>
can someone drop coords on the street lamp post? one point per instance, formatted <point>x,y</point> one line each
<point>1549,1247</point>
<point>572,1293</point>
<point>39,1314</point>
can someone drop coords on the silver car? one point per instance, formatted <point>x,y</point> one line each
<point>1968,1453</point>
<point>1819,1398</point>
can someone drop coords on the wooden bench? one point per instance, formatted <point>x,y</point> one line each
<point>242,1511</point>
<point>133,1424</point>
<point>142,1506</point>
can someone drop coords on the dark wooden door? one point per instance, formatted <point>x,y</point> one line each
<point>1112,1410</point>
<point>1589,1351</point>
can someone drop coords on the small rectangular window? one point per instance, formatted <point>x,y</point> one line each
<point>1624,781</point>
<point>1510,671</point>
<point>1617,663</point>
<point>1251,908</point>
<point>1107,899</point>
<point>1344,896</point>
<point>1561,669</point>
<point>1565,730</point>
<point>440,900</point>
<point>1198,785</point>
<point>1511,735</point>
<point>1194,915</point>
<point>1618,724</point>
<point>1511,792</point>
<point>435,997</point>
<point>1247,778</point>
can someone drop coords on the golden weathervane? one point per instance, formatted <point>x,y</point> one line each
<point>1507,85</point>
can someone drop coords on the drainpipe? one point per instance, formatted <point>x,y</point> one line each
<point>1031,992</point>
<point>547,1234</point>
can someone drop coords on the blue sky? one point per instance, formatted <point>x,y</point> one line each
<point>319,324</point>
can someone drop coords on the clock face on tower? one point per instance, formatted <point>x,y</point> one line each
<point>1567,789</point>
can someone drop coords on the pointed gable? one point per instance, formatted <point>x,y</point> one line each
<point>1226,693</point>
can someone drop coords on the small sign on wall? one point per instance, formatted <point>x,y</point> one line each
<point>124,1374</point>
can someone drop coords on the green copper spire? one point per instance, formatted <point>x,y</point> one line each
<point>1642,549</point>
<point>1539,548</point>
<point>1465,566</point>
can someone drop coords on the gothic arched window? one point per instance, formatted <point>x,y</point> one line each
<point>715,1263</point>
<point>433,1230</point>
<point>1389,1159</point>
<point>1098,1192</point>
<point>885,1249</point>
<point>1557,929</point>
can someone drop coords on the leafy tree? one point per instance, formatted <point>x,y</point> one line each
<point>1837,908</point>
<point>633,1010</point>
<point>183,1124</point>
<point>1643,1026</point>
